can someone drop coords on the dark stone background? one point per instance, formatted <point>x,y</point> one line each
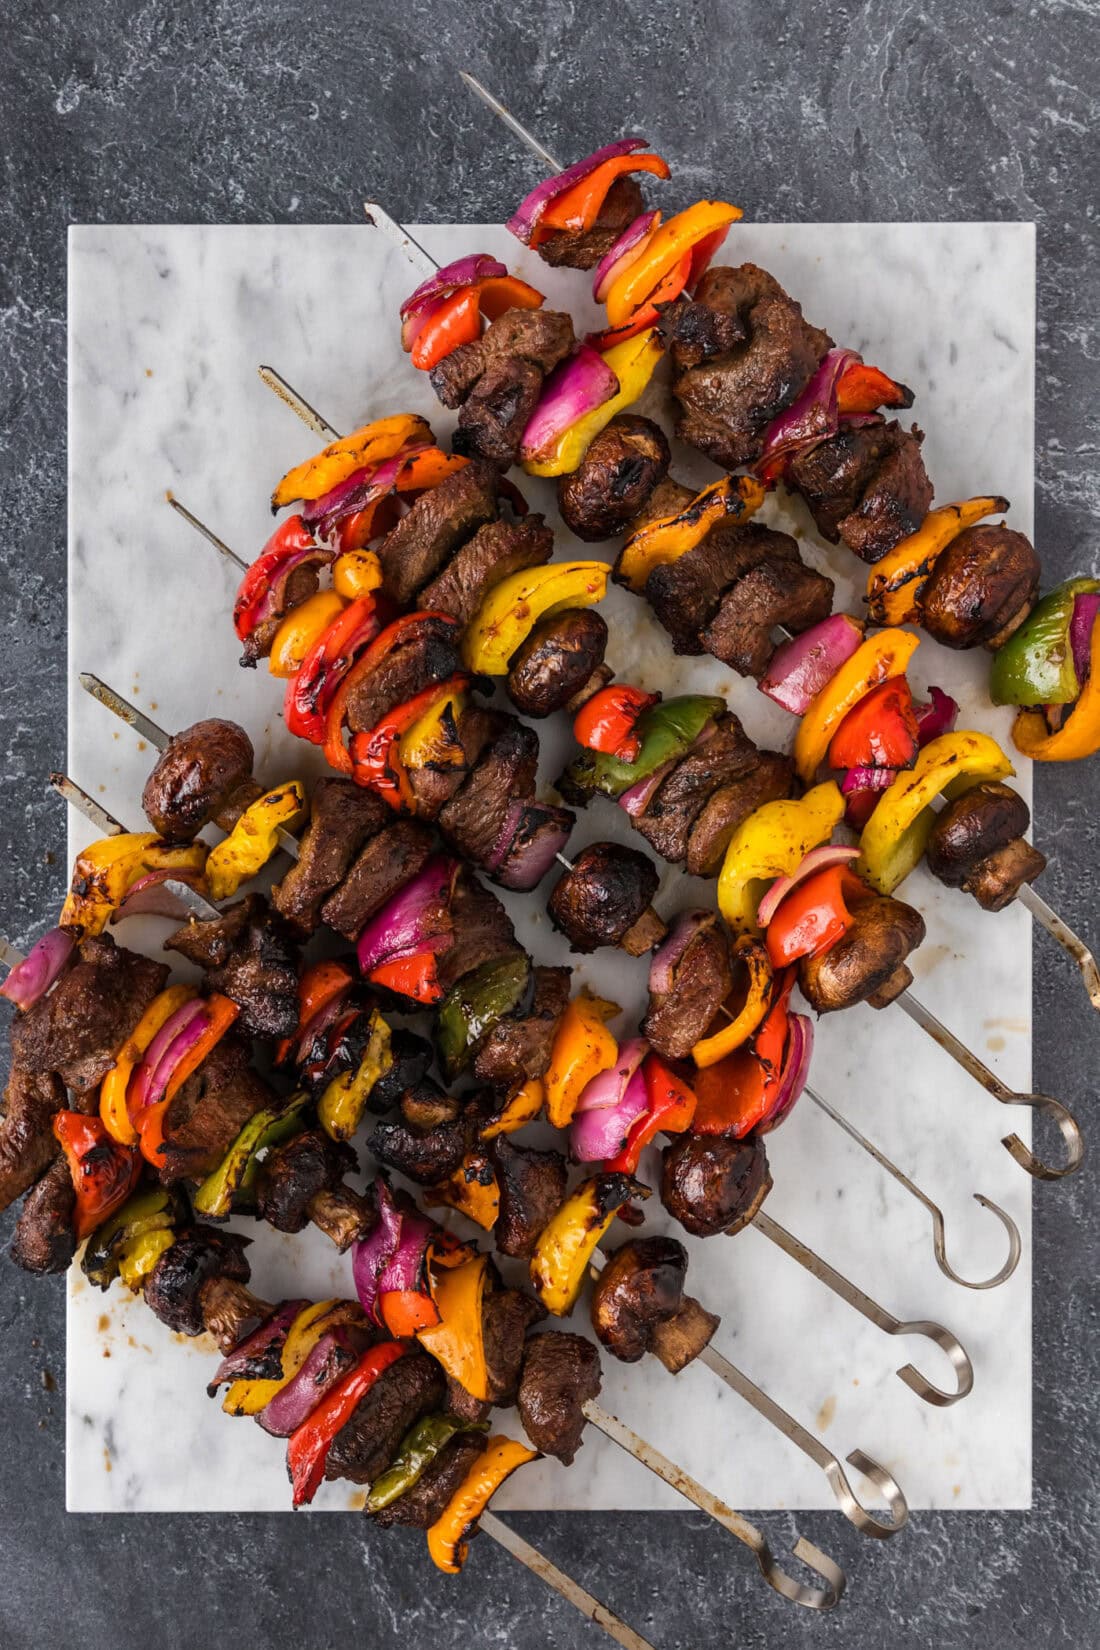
<point>245,110</point>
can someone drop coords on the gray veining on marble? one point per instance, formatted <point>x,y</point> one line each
<point>233,111</point>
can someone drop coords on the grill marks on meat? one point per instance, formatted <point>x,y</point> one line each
<point>27,1143</point>
<point>557,660</point>
<point>615,478</point>
<point>981,588</point>
<point>532,1185</point>
<point>200,771</point>
<point>685,593</point>
<point>250,957</point>
<point>474,819</point>
<point>516,1049</point>
<point>729,396</point>
<point>598,902</point>
<point>343,816</point>
<point>507,1315</point>
<point>702,979</point>
<point>711,1184</point>
<point>496,551</point>
<point>440,521</point>
<point>296,1173</point>
<point>583,250</point>
<point>867,486</point>
<point>385,865</point>
<point>427,654</point>
<point>768,778</point>
<point>44,1240</point>
<point>497,411</point>
<point>727,755</point>
<point>78,1027</point>
<point>778,591</point>
<point>367,1443</point>
<point>497,379</point>
<point>867,964</point>
<point>482,931</point>
<point>977,844</point>
<point>210,1110</point>
<point>421,1506</point>
<point>561,1373</point>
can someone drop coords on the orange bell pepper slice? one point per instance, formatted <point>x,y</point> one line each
<point>220,1015</point>
<point>456,321</point>
<point>671,537</point>
<point>864,389</point>
<point>577,209</point>
<point>876,659</point>
<point>737,1093</point>
<point>732,1032</point>
<point>371,444</point>
<point>1079,735</point>
<point>112,1090</point>
<point>447,1537</point>
<point>518,1110</point>
<point>894,584</point>
<point>457,1341</point>
<point>582,1048</point>
<point>405,1312</point>
<point>414,977</point>
<point>500,293</point>
<point>664,250</point>
<point>316,989</point>
<point>472,1189</point>
<point>878,732</point>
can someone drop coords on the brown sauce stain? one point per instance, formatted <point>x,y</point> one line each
<point>994,1044</point>
<point>104,1323</point>
<point>826,1413</point>
<point>106,1460</point>
<point>358,1501</point>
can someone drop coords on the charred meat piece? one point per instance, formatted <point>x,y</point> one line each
<point>434,785</point>
<point>424,1105</point>
<point>542,337</point>
<point>387,862</point>
<point>696,331</point>
<point>685,593</point>
<point>778,591</point>
<point>464,1405</point>
<point>977,844</point>
<point>692,988</point>
<point>615,478</point>
<point>427,654</point>
<point>364,1447</point>
<point>439,522</point>
<point>482,931</point>
<point>286,593</point>
<point>343,816</point>
<point>639,1305</point>
<point>497,411</point>
<point>210,1110</point>
<point>496,551</point>
<point>473,821</point>
<point>517,1049</point>
<point>712,1184</point>
<point>200,771</point>
<point>727,755</point>
<point>181,1289</point>
<point>77,1029</point>
<point>728,400</point>
<point>561,1373</point>
<point>410,1057</point>
<point>27,1142</point>
<point>583,249</point>
<point>425,1156</point>
<point>769,778</point>
<point>669,498</point>
<point>556,660</point>
<point>44,1240</point>
<point>294,1174</point>
<point>981,589</point>
<point>867,964</point>
<point>249,956</point>
<point>867,486</point>
<point>507,1315</point>
<point>421,1506</point>
<point>532,1186</point>
<point>604,898</point>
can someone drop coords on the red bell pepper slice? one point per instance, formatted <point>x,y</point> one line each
<point>310,692</point>
<point>456,321</point>
<point>104,1173</point>
<point>307,1448</point>
<point>606,722</point>
<point>375,759</point>
<point>318,986</point>
<point>336,753</point>
<point>416,977</point>
<point>670,1109</point>
<point>864,389</point>
<point>878,732</point>
<point>290,538</point>
<point>737,1093</point>
<point>813,916</point>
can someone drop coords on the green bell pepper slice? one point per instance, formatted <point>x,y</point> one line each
<point>473,1006</point>
<point>419,1448</point>
<point>215,1197</point>
<point>666,730</point>
<point>1035,665</point>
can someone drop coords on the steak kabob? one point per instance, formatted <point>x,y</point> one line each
<point>306,1372</point>
<point>490,1027</point>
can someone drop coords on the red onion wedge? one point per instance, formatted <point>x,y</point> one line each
<point>816,860</point>
<point>812,417</point>
<point>178,1034</point>
<point>636,799</point>
<point>666,958</point>
<point>533,834</point>
<point>147,897</point>
<point>609,1104</point>
<point>357,491</point>
<point>938,716</point>
<point>413,918</point>
<point>327,1363</point>
<point>1085,610</point>
<point>796,1069</point>
<point>466,271</point>
<point>33,977</point>
<point>259,1357</point>
<point>861,788</point>
<point>580,384</point>
<point>393,1255</point>
<point>615,261</point>
<point>800,668</point>
<point>526,216</point>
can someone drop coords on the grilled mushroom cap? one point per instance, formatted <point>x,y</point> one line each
<point>199,1256</point>
<point>615,478</point>
<point>977,844</point>
<point>981,589</point>
<point>867,963</point>
<point>201,770</point>
<point>713,1184</point>
<point>601,899</point>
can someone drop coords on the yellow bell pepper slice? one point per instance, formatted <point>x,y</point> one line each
<point>1079,735</point>
<point>670,537</point>
<point>140,1254</point>
<point>341,1107</point>
<point>107,869</point>
<point>772,843</point>
<point>749,951</point>
<point>457,1341</point>
<point>633,362</point>
<point>568,1239</point>
<point>663,251</point>
<point>112,1090</point>
<point>254,838</point>
<point>472,1189</point>
<point>582,1048</point>
<point>518,1110</point>
<point>448,1541</point>
<point>896,835</point>
<point>514,606</point>
<point>300,629</point>
<point>356,573</point>
<point>369,445</point>
<point>885,654</point>
<point>432,741</point>
<point>894,584</point>
<point>247,1397</point>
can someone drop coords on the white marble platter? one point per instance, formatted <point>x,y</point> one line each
<point>167,327</point>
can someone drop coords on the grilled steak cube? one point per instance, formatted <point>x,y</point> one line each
<point>779,591</point>
<point>496,551</point>
<point>440,521</point>
<point>343,816</point>
<point>561,1373</point>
